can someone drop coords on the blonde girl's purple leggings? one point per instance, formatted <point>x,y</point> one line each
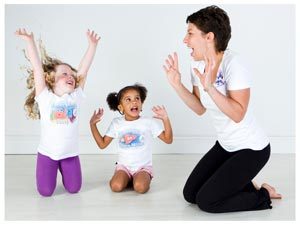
<point>46,174</point>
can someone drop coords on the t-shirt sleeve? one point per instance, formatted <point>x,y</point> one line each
<point>78,94</point>
<point>156,128</point>
<point>111,131</point>
<point>237,76</point>
<point>43,98</point>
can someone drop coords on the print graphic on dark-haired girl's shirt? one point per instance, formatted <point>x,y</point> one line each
<point>132,138</point>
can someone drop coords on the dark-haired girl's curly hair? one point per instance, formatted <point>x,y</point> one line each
<point>113,99</point>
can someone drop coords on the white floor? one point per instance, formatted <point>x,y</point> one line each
<point>164,201</point>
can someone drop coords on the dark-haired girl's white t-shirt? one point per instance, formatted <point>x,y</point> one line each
<point>134,140</point>
<point>232,136</point>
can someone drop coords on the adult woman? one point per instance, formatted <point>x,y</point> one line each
<point>222,180</point>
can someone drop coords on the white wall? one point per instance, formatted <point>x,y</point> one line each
<point>135,41</point>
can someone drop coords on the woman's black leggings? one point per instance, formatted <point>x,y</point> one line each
<point>222,181</point>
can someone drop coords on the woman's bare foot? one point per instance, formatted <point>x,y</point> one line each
<point>255,185</point>
<point>272,191</point>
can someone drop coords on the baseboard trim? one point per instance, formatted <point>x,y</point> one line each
<point>17,144</point>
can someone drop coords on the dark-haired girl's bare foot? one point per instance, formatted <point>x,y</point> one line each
<point>272,191</point>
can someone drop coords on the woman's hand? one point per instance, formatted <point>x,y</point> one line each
<point>160,112</point>
<point>97,116</point>
<point>22,33</point>
<point>172,70</point>
<point>93,37</point>
<point>205,77</point>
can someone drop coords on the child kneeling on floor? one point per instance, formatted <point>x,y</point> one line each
<point>134,134</point>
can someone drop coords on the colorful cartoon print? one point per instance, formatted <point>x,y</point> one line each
<point>63,113</point>
<point>131,139</point>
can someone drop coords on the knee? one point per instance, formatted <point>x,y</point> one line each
<point>204,206</point>
<point>188,195</point>
<point>202,201</point>
<point>45,191</point>
<point>141,187</point>
<point>116,187</point>
<point>73,189</point>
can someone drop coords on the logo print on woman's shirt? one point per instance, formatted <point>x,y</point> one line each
<point>220,79</point>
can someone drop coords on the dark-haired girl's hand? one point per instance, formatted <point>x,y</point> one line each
<point>96,117</point>
<point>160,112</point>
<point>172,70</point>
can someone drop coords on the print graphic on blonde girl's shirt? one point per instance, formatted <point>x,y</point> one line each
<point>63,113</point>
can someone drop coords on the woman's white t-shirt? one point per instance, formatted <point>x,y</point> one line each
<point>59,123</point>
<point>231,135</point>
<point>134,140</point>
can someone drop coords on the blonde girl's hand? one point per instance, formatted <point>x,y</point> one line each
<point>160,112</point>
<point>22,33</point>
<point>93,38</point>
<point>96,117</point>
<point>205,77</point>
<point>172,70</point>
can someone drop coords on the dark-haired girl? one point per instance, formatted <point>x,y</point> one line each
<point>134,134</point>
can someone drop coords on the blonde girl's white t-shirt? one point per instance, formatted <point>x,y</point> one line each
<point>231,135</point>
<point>59,123</point>
<point>134,140</point>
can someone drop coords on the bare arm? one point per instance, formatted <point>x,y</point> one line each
<point>160,113</point>
<point>32,53</point>
<point>191,99</point>
<point>235,104</point>
<point>88,57</point>
<point>101,141</point>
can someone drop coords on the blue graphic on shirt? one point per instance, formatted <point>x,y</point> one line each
<point>220,79</point>
<point>131,139</point>
<point>62,113</point>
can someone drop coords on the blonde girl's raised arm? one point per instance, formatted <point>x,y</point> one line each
<point>88,57</point>
<point>32,53</point>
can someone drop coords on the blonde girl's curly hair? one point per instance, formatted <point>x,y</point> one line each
<point>49,67</point>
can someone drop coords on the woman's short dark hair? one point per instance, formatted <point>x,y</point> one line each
<point>213,19</point>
